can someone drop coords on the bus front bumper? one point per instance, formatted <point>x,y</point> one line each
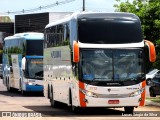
<point>34,88</point>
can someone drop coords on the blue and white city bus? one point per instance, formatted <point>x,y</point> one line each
<point>23,62</point>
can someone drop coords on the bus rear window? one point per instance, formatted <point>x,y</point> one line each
<point>109,31</point>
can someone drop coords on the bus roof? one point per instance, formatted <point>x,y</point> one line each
<point>26,36</point>
<point>30,35</point>
<point>13,37</point>
<point>105,15</point>
<point>64,20</point>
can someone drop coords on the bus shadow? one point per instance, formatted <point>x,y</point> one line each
<point>17,93</point>
<point>11,94</point>
<point>47,111</point>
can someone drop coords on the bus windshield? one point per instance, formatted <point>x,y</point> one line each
<point>109,31</point>
<point>34,68</point>
<point>112,65</point>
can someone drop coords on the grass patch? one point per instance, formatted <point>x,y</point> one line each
<point>154,99</point>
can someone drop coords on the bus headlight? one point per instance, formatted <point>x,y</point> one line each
<point>136,93</point>
<point>30,83</point>
<point>88,93</point>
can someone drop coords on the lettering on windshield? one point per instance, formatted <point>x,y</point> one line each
<point>99,51</point>
<point>37,62</point>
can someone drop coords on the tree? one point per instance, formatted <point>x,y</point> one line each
<point>149,13</point>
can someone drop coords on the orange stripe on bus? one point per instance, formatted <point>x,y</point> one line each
<point>143,94</point>
<point>81,95</point>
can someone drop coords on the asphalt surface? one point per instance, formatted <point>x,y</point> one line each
<point>36,103</point>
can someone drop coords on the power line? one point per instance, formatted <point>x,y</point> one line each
<point>57,3</point>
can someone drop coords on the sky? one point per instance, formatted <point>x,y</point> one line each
<point>74,6</point>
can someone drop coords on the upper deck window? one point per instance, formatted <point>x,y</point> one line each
<point>34,47</point>
<point>110,30</point>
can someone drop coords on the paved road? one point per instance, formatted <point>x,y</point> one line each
<point>37,103</point>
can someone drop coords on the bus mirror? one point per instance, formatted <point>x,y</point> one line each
<point>152,51</point>
<point>75,52</point>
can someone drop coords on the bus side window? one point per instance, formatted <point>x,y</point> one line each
<point>65,35</point>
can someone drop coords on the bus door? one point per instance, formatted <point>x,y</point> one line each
<point>16,67</point>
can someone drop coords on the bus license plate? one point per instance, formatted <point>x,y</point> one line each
<point>31,80</point>
<point>113,101</point>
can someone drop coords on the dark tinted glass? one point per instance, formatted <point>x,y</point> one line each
<point>109,31</point>
<point>156,78</point>
<point>34,47</point>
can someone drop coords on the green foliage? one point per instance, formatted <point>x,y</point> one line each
<point>155,99</point>
<point>149,13</point>
<point>65,42</point>
<point>1,51</point>
<point>13,50</point>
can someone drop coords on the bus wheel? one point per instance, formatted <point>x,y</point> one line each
<point>7,85</point>
<point>148,81</point>
<point>129,110</point>
<point>21,89</point>
<point>23,92</point>
<point>9,89</point>
<point>53,103</point>
<point>73,108</point>
<point>48,93</point>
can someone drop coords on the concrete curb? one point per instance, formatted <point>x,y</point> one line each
<point>151,103</point>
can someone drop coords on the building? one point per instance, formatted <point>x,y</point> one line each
<point>6,25</point>
<point>36,22</point>
<point>6,28</point>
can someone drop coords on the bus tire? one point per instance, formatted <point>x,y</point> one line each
<point>23,92</point>
<point>129,110</point>
<point>53,103</point>
<point>73,108</point>
<point>148,81</point>
<point>4,80</point>
<point>48,92</point>
<point>20,87</point>
<point>7,84</point>
<point>9,89</point>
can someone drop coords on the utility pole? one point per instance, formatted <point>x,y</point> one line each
<point>83,5</point>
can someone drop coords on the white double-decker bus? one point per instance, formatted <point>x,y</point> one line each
<point>96,60</point>
<point>23,62</point>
